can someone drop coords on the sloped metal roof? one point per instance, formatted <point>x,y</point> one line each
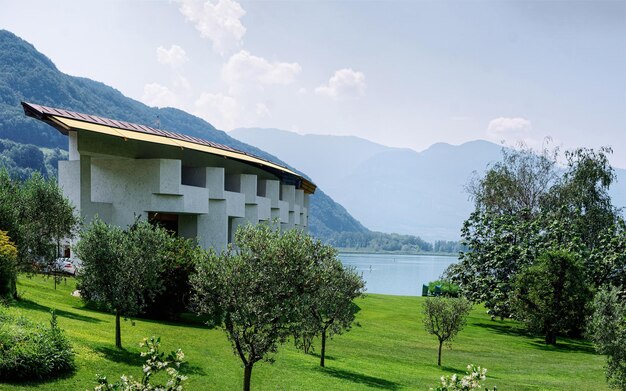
<point>64,120</point>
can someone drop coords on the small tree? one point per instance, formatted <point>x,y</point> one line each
<point>445,317</point>
<point>331,309</point>
<point>46,217</point>
<point>551,296</point>
<point>607,329</point>
<point>255,292</point>
<point>121,268</point>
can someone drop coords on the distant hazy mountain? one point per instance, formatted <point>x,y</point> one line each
<point>26,74</point>
<point>392,189</point>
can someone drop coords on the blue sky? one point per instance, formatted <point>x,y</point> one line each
<point>406,74</point>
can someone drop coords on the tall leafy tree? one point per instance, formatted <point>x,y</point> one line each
<point>37,217</point>
<point>47,217</point>
<point>121,268</point>
<point>526,205</point>
<point>550,295</point>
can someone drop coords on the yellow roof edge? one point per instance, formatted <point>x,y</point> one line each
<point>74,124</point>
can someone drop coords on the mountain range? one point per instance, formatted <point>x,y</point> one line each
<point>28,75</point>
<point>393,189</point>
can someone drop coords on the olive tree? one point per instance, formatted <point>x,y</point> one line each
<point>256,291</point>
<point>121,268</point>
<point>607,329</point>
<point>331,309</point>
<point>444,318</point>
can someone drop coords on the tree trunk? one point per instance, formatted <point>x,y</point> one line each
<point>247,375</point>
<point>439,356</point>
<point>551,338</point>
<point>323,352</point>
<point>118,332</point>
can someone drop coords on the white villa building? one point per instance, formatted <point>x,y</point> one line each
<point>198,189</point>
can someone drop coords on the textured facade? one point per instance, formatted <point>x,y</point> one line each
<point>197,194</point>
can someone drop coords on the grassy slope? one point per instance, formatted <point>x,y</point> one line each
<point>389,351</point>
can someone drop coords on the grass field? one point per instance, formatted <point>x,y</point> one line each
<point>388,351</point>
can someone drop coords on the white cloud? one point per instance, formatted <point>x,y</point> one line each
<point>344,83</point>
<point>157,95</point>
<point>509,128</point>
<point>243,67</point>
<point>218,109</point>
<point>175,56</point>
<point>220,22</point>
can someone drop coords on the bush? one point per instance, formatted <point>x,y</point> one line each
<point>8,266</point>
<point>448,289</point>
<point>30,351</point>
<point>181,257</point>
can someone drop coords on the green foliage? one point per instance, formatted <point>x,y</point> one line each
<point>447,288</point>
<point>607,329</point>
<point>258,291</point>
<point>8,266</point>
<point>122,268</point>
<point>156,362</point>
<point>524,206</point>
<point>444,318</point>
<point>378,241</point>
<point>333,288</point>
<point>37,217</point>
<point>551,295</point>
<point>473,380</point>
<point>30,351</point>
<point>181,256</point>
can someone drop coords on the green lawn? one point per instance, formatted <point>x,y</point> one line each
<point>390,350</point>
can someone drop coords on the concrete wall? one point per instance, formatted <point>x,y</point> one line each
<point>211,204</point>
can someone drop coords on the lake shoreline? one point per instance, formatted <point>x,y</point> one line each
<point>343,250</point>
<point>397,274</point>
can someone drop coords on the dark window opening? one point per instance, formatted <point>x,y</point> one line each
<point>168,221</point>
<point>193,176</point>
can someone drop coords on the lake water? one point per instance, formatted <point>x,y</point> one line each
<point>397,274</point>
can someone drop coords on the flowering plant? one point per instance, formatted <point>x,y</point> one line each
<point>473,380</point>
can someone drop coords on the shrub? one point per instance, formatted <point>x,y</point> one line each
<point>8,266</point>
<point>181,256</point>
<point>473,380</point>
<point>448,289</point>
<point>30,351</point>
<point>155,363</point>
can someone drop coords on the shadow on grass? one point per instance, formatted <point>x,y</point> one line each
<point>360,378</point>
<point>121,355</point>
<point>566,345</point>
<point>187,369</point>
<point>506,329</point>
<point>31,305</point>
<point>563,344</point>
<point>38,382</point>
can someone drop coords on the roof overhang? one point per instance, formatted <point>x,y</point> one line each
<point>64,121</point>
